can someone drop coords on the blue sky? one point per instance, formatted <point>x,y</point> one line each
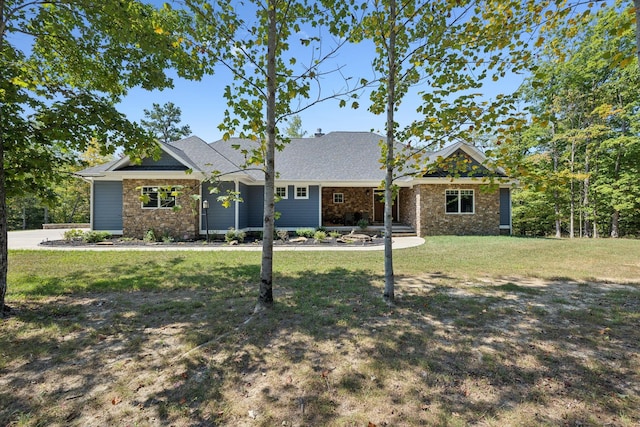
<point>203,105</point>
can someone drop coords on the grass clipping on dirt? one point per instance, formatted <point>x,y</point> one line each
<point>176,348</point>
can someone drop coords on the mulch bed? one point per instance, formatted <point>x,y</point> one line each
<point>353,239</point>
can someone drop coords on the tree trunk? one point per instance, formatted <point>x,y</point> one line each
<point>615,227</point>
<point>4,261</point>
<point>265,298</point>
<point>586,230</point>
<point>572,190</point>
<point>389,279</point>
<point>556,196</point>
<point>615,217</point>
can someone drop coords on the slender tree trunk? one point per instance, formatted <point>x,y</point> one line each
<point>556,196</point>
<point>389,279</point>
<point>76,203</point>
<point>615,217</point>
<point>265,298</point>
<point>586,230</point>
<point>615,224</point>
<point>572,202</point>
<point>4,261</point>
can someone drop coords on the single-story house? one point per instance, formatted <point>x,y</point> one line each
<point>329,180</point>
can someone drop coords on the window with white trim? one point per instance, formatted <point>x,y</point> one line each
<point>282,192</point>
<point>338,197</point>
<point>302,192</point>
<point>159,197</point>
<point>459,201</point>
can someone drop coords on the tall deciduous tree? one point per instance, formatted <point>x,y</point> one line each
<point>449,49</point>
<point>163,122</point>
<point>255,40</point>
<point>586,92</point>
<point>64,64</point>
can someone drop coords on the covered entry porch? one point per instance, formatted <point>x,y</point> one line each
<point>348,207</point>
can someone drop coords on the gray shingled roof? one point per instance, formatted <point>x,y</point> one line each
<point>334,157</point>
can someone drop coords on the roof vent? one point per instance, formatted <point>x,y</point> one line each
<point>319,133</point>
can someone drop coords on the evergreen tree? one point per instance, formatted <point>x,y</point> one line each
<point>162,122</point>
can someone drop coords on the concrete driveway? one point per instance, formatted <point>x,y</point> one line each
<point>31,239</point>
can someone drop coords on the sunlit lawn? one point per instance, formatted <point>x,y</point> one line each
<point>486,330</point>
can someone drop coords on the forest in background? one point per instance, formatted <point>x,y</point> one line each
<point>578,160</point>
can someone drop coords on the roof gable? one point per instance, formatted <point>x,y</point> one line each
<point>460,159</point>
<point>166,162</point>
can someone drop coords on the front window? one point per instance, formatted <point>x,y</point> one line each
<point>302,192</point>
<point>281,192</point>
<point>159,197</point>
<point>338,197</point>
<point>459,201</point>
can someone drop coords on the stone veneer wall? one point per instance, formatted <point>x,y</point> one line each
<point>356,200</point>
<point>434,220</point>
<point>407,198</point>
<point>136,221</point>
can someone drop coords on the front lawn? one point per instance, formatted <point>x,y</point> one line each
<point>491,331</point>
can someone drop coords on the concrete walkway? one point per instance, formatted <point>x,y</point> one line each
<point>31,239</point>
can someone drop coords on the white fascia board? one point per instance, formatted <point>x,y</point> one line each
<point>124,161</point>
<point>472,151</point>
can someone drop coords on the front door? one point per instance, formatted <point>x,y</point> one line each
<point>378,207</point>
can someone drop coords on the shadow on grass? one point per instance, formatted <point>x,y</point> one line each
<point>330,352</point>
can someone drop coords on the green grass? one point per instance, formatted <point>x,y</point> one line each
<point>486,330</point>
<point>47,273</point>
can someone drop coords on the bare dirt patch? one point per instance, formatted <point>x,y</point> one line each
<point>511,351</point>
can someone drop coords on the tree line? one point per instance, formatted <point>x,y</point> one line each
<point>579,156</point>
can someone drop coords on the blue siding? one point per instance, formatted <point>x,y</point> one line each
<point>107,205</point>
<point>293,212</point>
<point>505,206</point>
<point>299,212</point>
<point>164,163</point>
<point>220,218</point>
<point>243,207</point>
<point>254,199</point>
<point>164,160</point>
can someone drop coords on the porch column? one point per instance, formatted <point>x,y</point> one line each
<point>236,206</point>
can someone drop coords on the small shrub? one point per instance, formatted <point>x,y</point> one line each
<point>306,232</point>
<point>230,235</point>
<point>363,223</point>
<point>233,234</point>
<point>96,236</point>
<point>167,239</point>
<point>150,236</point>
<point>73,235</point>
<point>335,234</point>
<point>319,236</point>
